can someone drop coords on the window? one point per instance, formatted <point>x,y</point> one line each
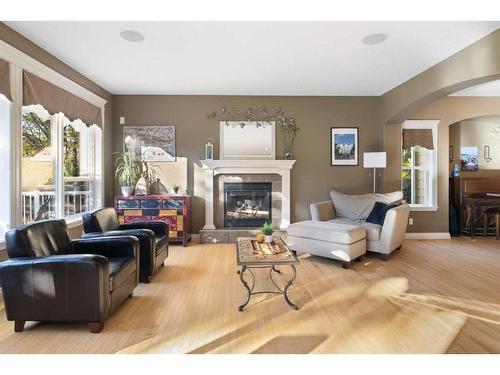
<point>5,159</point>
<point>59,173</point>
<point>419,165</point>
<point>56,172</point>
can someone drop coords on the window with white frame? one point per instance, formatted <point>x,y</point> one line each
<point>60,168</point>
<point>419,164</point>
<point>5,159</point>
<point>51,165</point>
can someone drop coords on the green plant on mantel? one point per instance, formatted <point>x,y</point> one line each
<point>289,130</point>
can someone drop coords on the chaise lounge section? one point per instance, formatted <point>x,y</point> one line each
<point>346,213</point>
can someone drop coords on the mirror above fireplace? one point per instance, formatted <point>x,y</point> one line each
<point>247,140</point>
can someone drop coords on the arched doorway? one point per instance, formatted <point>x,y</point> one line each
<point>449,110</point>
<point>474,147</point>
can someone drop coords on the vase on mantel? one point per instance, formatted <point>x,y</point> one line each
<point>288,156</point>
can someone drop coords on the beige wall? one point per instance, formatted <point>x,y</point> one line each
<point>448,110</point>
<point>454,139</point>
<point>312,177</point>
<point>480,132</point>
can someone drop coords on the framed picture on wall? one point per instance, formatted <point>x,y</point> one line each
<point>344,148</point>
<point>150,143</point>
<point>468,158</point>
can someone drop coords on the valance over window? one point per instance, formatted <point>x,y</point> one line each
<point>5,79</point>
<point>55,100</point>
<point>418,137</point>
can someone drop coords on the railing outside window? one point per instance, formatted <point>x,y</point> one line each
<point>40,204</point>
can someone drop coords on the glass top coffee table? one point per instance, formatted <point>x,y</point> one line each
<point>251,254</point>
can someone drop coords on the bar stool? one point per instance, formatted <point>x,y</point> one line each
<point>490,212</point>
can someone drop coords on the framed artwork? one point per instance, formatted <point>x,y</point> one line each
<point>468,158</point>
<point>344,148</point>
<point>150,143</point>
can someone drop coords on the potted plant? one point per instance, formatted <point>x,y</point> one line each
<point>268,232</point>
<point>128,171</point>
<point>289,129</point>
<point>148,182</point>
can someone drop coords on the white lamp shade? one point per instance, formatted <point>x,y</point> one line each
<point>374,160</point>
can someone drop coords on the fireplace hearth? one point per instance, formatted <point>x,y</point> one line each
<point>247,204</point>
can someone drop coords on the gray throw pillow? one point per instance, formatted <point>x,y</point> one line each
<point>360,206</point>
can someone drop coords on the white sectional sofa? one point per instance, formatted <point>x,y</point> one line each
<point>339,230</point>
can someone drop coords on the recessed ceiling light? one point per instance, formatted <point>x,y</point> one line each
<point>132,36</point>
<point>374,39</point>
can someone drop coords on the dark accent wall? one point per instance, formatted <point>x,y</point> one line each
<point>312,177</point>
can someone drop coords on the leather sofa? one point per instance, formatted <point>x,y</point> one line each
<point>51,278</point>
<point>152,235</point>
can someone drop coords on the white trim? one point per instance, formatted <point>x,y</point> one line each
<point>28,63</point>
<point>57,141</point>
<point>423,208</point>
<point>214,167</point>
<point>74,220</point>
<point>271,164</point>
<point>428,236</point>
<point>425,124</point>
<point>16,84</point>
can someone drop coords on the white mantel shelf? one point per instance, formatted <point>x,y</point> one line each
<point>280,164</point>
<point>216,167</point>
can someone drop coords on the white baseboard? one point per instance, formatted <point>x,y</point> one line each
<point>428,236</point>
<point>195,237</point>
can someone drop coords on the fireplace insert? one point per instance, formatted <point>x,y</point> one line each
<point>247,204</point>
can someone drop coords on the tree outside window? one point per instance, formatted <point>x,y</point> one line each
<point>36,138</point>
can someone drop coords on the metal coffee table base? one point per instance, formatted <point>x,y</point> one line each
<point>272,269</point>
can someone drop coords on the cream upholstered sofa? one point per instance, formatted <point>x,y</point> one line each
<point>343,214</point>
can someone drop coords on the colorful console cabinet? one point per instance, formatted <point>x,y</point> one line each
<point>172,209</point>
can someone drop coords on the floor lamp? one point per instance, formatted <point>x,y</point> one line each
<point>374,160</point>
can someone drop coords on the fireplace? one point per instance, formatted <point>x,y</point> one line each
<point>247,204</point>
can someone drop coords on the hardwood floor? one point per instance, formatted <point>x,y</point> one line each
<point>431,297</point>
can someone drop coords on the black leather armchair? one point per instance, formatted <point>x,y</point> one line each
<point>152,235</point>
<point>50,277</point>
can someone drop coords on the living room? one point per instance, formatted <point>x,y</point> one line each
<point>186,186</point>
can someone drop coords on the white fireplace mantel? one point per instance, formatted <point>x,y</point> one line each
<point>213,168</point>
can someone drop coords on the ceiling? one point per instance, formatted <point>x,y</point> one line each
<point>491,88</point>
<point>252,58</point>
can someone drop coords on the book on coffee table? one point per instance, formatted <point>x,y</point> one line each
<point>251,252</point>
<point>267,248</point>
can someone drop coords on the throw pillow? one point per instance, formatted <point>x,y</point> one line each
<point>377,216</point>
<point>359,206</point>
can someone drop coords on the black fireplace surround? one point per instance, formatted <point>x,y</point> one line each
<point>247,204</point>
